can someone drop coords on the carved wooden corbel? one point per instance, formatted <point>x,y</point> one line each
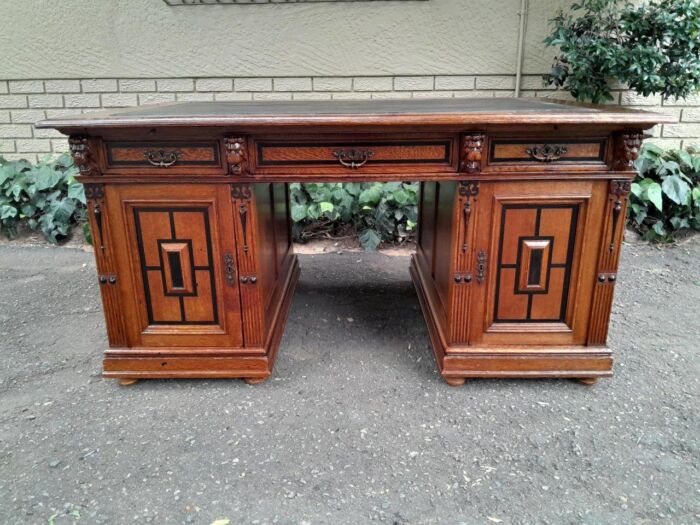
<point>627,147</point>
<point>236,155</point>
<point>472,146</point>
<point>83,156</point>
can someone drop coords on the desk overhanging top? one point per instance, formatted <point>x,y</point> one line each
<point>468,112</point>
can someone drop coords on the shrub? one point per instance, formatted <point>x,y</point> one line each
<point>45,195</point>
<point>653,48</point>
<point>376,211</point>
<point>665,196</point>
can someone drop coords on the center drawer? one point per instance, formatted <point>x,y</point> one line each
<point>326,154</point>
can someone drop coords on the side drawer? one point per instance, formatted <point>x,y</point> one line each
<point>547,153</point>
<point>163,156</point>
<point>325,154</point>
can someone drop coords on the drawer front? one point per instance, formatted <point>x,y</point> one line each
<point>546,153</point>
<point>163,155</point>
<point>362,155</point>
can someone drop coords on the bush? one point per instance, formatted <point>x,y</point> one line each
<point>376,211</point>
<point>653,48</point>
<point>45,195</point>
<point>665,196</point>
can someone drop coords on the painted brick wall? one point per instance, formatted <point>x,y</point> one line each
<point>23,102</point>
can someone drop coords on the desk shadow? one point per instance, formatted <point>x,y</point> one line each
<point>356,307</point>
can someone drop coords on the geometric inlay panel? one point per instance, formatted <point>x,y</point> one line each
<point>175,255</point>
<point>533,264</point>
<point>535,255</point>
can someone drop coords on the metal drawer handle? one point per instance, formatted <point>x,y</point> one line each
<point>546,153</point>
<point>353,158</point>
<point>161,158</point>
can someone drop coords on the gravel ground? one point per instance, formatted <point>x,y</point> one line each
<point>356,425</point>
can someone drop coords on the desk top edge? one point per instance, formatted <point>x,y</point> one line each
<point>456,111</point>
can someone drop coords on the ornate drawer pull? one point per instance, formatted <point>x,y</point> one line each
<point>546,153</point>
<point>353,158</point>
<point>161,158</point>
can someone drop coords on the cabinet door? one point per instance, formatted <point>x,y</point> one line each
<point>534,261</point>
<point>177,264</point>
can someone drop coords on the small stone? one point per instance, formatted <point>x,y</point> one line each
<point>54,463</point>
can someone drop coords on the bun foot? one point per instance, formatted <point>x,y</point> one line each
<point>254,380</point>
<point>455,381</point>
<point>588,381</point>
<point>128,381</point>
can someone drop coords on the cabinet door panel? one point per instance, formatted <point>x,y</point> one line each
<point>540,244</point>
<point>526,266</point>
<point>178,274</point>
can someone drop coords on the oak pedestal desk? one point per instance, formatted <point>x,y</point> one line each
<point>522,212</point>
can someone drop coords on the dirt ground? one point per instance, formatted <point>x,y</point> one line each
<point>356,425</point>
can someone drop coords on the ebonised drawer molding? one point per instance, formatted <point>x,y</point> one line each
<point>163,155</point>
<point>546,152</point>
<point>350,155</point>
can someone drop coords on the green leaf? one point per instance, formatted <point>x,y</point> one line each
<point>676,189</point>
<point>371,195</point>
<point>7,211</point>
<point>653,193</point>
<point>326,206</point>
<point>46,177</point>
<point>313,211</point>
<point>28,210</point>
<point>77,191</point>
<point>7,172</point>
<point>64,211</point>
<point>298,212</point>
<point>370,240</point>
<point>685,157</point>
<point>353,188</point>
<point>636,189</point>
<point>659,229</point>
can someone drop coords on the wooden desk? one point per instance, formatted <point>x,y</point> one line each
<point>522,210</point>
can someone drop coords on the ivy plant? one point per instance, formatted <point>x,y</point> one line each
<point>376,211</point>
<point>45,195</point>
<point>652,48</point>
<point>665,196</point>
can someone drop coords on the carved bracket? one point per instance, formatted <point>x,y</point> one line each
<point>82,155</point>
<point>619,189</point>
<point>472,146</point>
<point>94,191</point>
<point>95,194</point>
<point>236,155</point>
<point>241,192</point>
<point>467,189</point>
<point>628,145</point>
